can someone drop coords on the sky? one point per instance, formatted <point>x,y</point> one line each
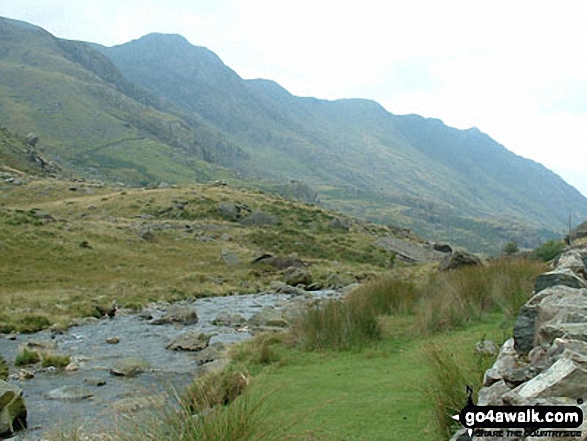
<point>517,70</point>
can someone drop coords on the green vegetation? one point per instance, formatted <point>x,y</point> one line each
<point>549,250</point>
<point>510,248</point>
<point>70,245</point>
<point>105,113</point>
<point>55,360</point>
<point>26,356</point>
<point>339,325</point>
<point>3,369</point>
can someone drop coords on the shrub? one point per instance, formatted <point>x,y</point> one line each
<point>510,248</point>
<point>549,250</point>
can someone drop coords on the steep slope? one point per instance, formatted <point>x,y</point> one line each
<point>459,185</point>
<point>18,157</point>
<point>91,118</point>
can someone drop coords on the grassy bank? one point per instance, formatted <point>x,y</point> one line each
<point>66,246</point>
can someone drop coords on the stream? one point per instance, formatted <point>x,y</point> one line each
<point>168,371</point>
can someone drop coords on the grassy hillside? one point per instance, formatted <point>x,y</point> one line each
<point>66,245</point>
<point>161,110</point>
<point>91,119</point>
<point>452,184</point>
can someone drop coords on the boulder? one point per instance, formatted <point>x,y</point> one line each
<point>339,224</point>
<point>486,348</point>
<point>558,311</point>
<point>92,381</point>
<point>567,377</point>
<point>211,353</point>
<point>229,258</point>
<point>230,320</point>
<point>297,276</point>
<point>573,261</point>
<point>68,393</point>
<point>334,281</point>
<point>228,211</point>
<point>442,247</point>
<point>129,367</point>
<point>268,317</point>
<point>259,218</point>
<point>458,259</point>
<point>181,314</point>
<point>280,262</point>
<point>284,288</point>
<point>563,277</point>
<point>13,413</point>
<point>190,341</point>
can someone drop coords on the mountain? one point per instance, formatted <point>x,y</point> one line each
<point>459,185</point>
<point>160,109</point>
<point>91,119</point>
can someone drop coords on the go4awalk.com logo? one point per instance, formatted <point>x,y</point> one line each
<point>515,421</point>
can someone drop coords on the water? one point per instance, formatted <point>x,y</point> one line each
<point>169,370</point>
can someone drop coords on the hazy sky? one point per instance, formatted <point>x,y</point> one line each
<point>517,70</point>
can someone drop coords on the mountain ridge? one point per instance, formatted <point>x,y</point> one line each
<point>175,112</point>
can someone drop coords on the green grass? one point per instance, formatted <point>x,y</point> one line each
<point>26,356</point>
<point>383,392</point>
<point>47,277</point>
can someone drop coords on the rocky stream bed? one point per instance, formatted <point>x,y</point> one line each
<point>117,364</point>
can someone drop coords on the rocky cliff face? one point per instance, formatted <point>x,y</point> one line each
<point>545,363</point>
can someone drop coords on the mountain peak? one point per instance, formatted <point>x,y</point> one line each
<point>165,38</point>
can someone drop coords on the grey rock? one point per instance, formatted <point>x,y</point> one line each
<point>69,393</point>
<point>525,329</point>
<point>442,247</point>
<point>493,395</point>
<point>259,218</point>
<point>564,277</point>
<point>339,224</point>
<point>228,211</point>
<point>280,262</point>
<point>97,382</point>
<point>268,317</point>
<point>572,260</point>
<point>181,314</point>
<point>297,276</point>
<point>458,259</point>
<point>284,288</point>
<point>230,258</point>
<point>230,320</point>
<point>486,348</point>
<point>211,353</point>
<point>13,413</point>
<point>129,367</point>
<point>190,341</point>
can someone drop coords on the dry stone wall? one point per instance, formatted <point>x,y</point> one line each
<point>545,363</point>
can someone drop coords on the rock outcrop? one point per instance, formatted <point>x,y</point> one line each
<point>545,363</point>
<point>13,412</point>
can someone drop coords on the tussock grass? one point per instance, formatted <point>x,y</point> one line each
<point>389,296</point>
<point>455,298</point>
<point>55,360</point>
<point>451,374</point>
<point>26,356</point>
<point>337,324</point>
